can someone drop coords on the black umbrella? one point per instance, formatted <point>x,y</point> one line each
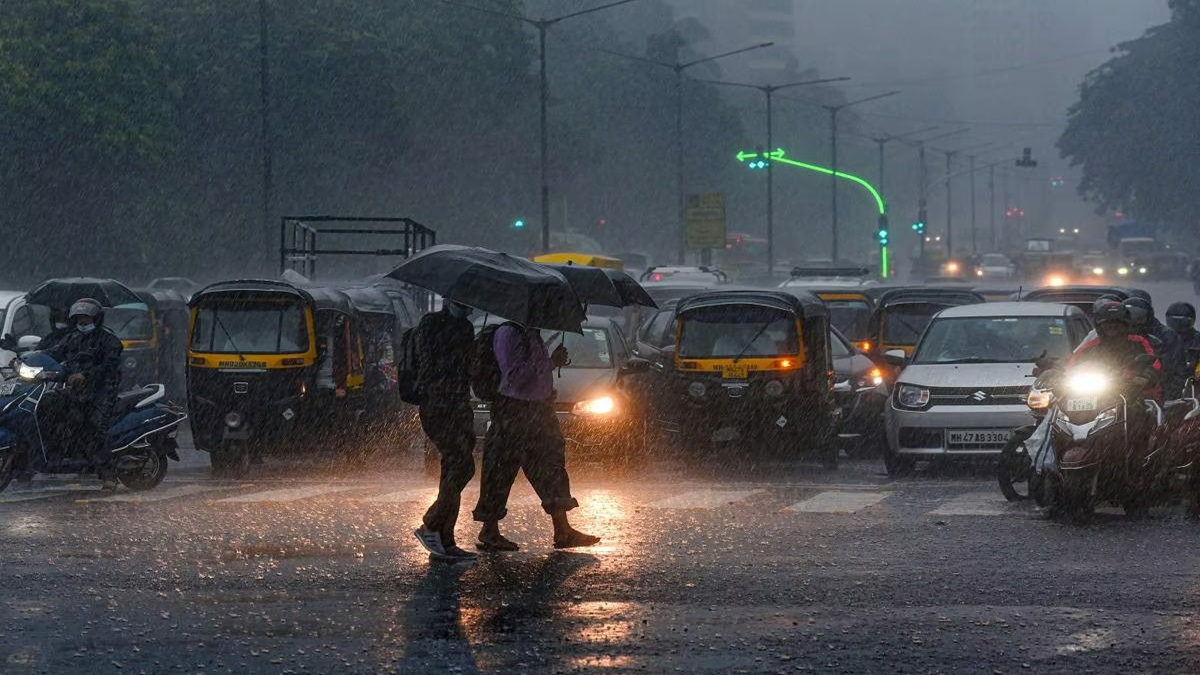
<point>497,283</point>
<point>631,291</point>
<point>62,293</point>
<point>591,284</point>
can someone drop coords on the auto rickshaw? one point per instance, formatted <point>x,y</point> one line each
<point>272,365</point>
<point>169,310</point>
<point>901,315</point>
<point>755,366</point>
<point>586,259</point>
<point>849,311</point>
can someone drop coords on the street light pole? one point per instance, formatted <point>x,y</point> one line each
<point>992,205</point>
<point>268,182</point>
<point>542,25</point>
<point>949,203</point>
<point>768,91</point>
<point>974,231</point>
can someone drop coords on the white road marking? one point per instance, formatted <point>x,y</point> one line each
<point>288,494</point>
<point>159,495</point>
<point>703,499</point>
<point>977,504</point>
<point>838,502</point>
<point>45,493</point>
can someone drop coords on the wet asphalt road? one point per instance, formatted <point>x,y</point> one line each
<point>707,566</point>
<point>311,568</point>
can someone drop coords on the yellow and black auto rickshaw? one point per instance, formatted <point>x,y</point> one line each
<point>755,366</point>
<point>586,259</point>
<point>901,315</point>
<point>272,365</point>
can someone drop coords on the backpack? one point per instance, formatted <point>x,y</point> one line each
<point>485,375</point>
<point>407,368</point>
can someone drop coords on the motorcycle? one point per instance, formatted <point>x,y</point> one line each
<point>140,436</point>
<point>1015,466</point>
<point>1106,443</point>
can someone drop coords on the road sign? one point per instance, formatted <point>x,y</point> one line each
<point>706,220</point>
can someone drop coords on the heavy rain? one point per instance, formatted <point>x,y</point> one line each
<point>599,336</point>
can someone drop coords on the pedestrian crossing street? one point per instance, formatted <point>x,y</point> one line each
<point>975,499</point>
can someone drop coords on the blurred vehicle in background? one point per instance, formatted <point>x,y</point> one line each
<point>995,266</point>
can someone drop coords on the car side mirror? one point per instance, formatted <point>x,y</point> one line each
<point>895,357</point>
<point>28,343</point>
<point>634,366</point>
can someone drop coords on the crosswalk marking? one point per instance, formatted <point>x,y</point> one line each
<point>287,494</point>
<point>159,495</point>
<point>46,493</point>
<point>838,502</point>
<point>976,504</point>
<point>703,499</point>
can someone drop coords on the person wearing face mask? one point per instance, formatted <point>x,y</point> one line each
<point>91,367</point>
<point>445,344</point>
<point>1176,357</point>
<point>62,329</point>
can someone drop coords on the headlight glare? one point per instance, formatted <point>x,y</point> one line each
<point>1087,383</point>
<point>605,405</point>
<point>910,396</point>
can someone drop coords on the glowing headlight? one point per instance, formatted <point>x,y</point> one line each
<point>1056,281</point>
<point>1123,271</point>
<point>26,372</point>
<point>912,397</point>
<point>597,406</point>
<point>1039,399</point>
<point>697,389</point>
<point>774,388</point>
<point>233,419</point>
<point>978,273</point>
<point>1087,383</point>
<point>1141,270</point>
<point>872,378</point>
<point>952,267</point>
<point>1098,271</point>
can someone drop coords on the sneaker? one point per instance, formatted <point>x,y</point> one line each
<point>431,541</point>
<point>455,553</point>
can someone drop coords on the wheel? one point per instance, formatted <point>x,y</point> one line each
<point>148,475</point>
<point>8,467</point>
<point>1013,469</point>
<point>897,465</point>
<point>231,461</point>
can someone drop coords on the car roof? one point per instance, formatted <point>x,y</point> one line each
<point>1010,309</point>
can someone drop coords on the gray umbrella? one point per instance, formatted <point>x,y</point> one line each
<point>610,288</point>
<point>62,293</point>
<point>497,283</point>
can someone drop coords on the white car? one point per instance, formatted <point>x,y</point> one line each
<point>996,266</point>
<point>963,391</point>
<point>25,323</point>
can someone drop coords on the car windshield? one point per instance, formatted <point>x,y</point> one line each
<point>994,260</point>
<point>902,325</point>
<point>251,328</point>
<point>731,331</point>
<point>851,317</point>
<point>994,339</point>
<point>590,350</point>
<point>130,322</point>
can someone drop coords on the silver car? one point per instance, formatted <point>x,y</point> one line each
<point>963,390</point>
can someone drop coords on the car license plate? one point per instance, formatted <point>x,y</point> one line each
<point>977,436</point>
<point>735,371</point>
<point>8,388</point>
<point>1081,404</point>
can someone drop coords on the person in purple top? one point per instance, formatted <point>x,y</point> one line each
<point>525,436</point>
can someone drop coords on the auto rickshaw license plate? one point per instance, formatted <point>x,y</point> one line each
<point>735,371</point>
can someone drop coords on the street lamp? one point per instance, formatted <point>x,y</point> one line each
<point>678,67</point>
<point>769,91</point>
<point>542,25</point>
<point>833,136</point>
<point>884,140</point>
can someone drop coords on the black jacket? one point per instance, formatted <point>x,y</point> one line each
<point>1175,360</point>
<point>445,353</point>
<point>102,372</point>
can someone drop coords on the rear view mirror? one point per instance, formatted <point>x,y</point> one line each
<point>28,343</point>
<point>895,357</point>
<point>635,366</point>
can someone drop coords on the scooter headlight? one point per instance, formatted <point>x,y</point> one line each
<point>28,372</point>
<point>1087,383</point>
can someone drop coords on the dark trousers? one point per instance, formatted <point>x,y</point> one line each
<point>77,423</point>
<point>450,426</point>
<point>524,436</point>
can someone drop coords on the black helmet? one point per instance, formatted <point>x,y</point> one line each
<point>1138,293</point>
<point>87,307</point>
<point>1181,317</point>
<point>1108,311</point>
<point>1140,312</point>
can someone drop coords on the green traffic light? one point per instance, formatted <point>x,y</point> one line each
<point>518,223</point>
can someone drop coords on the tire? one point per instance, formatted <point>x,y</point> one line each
<point>897,465</point>
<point>148,476</point>
<point>8,469</point>
<point>1014,468</point>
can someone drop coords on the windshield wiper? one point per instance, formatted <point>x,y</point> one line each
<point>232,343</point>
<point>972,359</point>
<point>742,353</point>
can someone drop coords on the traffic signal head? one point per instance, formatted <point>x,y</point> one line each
<point>919,227</point>
<point>882,235</point>
<point>518,224</point>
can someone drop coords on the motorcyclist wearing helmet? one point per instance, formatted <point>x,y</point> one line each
<point>1177,358</point>
<point>1115,343</point>
<point>1141,311</point>
<point>91,359</point>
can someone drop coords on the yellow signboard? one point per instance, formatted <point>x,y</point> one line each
<point>705,215</point>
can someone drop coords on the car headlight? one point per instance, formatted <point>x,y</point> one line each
<point>1141,270</point>
<point>1123,271</point>
<point>27,372</point>
<point>233,419</point>
<point>910,396</point>
<point>872,378</point>
<point>1039,399</point>
<point>1098,271</point>
<point>978,273</point>
<point>697,390</point>
<point>774,388</point>
<point>605,405</point>
<point>1087,383</point>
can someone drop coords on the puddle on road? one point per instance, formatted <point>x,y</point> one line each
<point>306,550</point>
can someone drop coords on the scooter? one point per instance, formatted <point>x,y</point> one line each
<point>141,433</point>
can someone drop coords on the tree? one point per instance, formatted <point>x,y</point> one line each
<point>1134,130</point>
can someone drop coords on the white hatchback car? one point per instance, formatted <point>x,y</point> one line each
<point>963,390</point>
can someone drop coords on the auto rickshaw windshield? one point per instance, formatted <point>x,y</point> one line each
<point>732,331</point>
<point>903,324</point>
<point>251,327</point>
<point>852,317</point>
<point>130,322</point>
